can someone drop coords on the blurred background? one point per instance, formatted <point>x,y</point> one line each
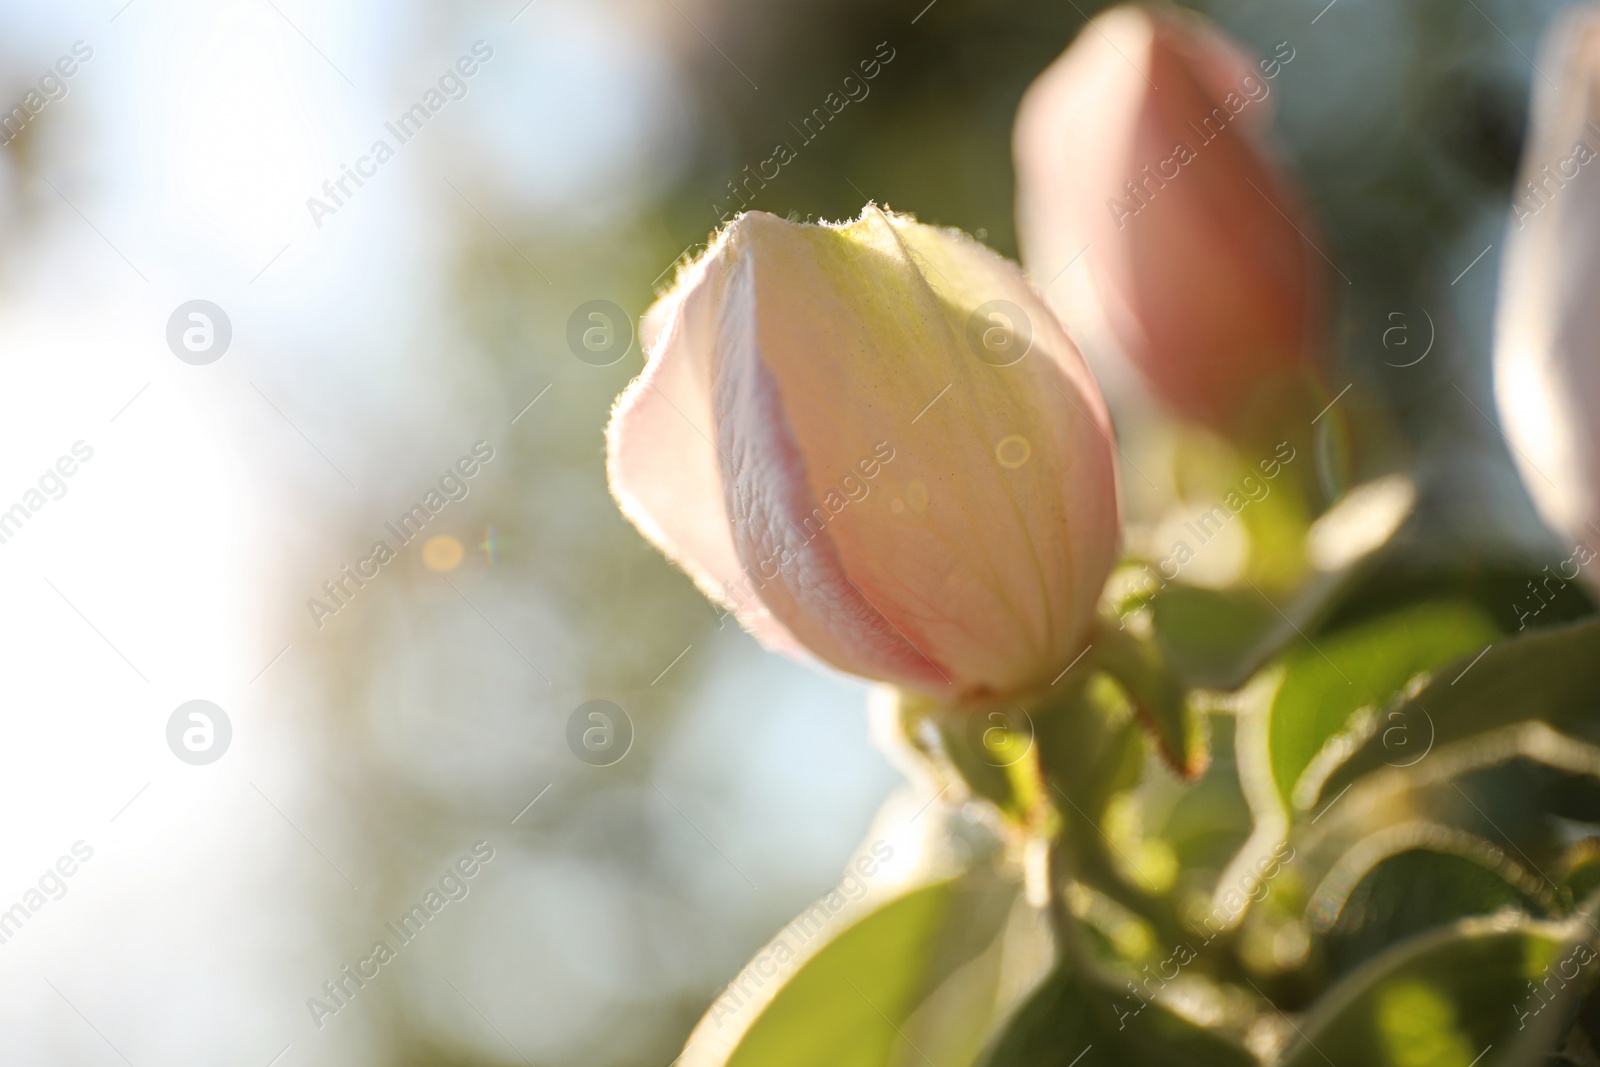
<point>358,341</point>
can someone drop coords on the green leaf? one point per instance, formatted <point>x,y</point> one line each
<point>1362,667</point>
<point>1203,822</point>
<point>1580,868</point>
<point>989,746</point>
<point>845,999</point>
<point>1438,1000</point>
<point>1410,894</point>
<point>1211,636</point>
<point>1486,802</point>
<point>985,746</point>
<point>1550,676</point>
<point>1157,696</point>
<point>1465,786</point>
<point>1217,639</point>
<point>1089,751</point>
<point>1088,746</point>
<point>1416,571</point>
<point>1073,1022</point>
<point>1496,743</point>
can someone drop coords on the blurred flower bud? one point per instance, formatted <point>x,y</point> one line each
<point>1139,149</point>
<point>1547,336</point>
<point>874,442</point>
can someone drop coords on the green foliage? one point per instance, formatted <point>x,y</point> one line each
<point>1395,835</point>
<point>1361,670</point>
<point>1211,636</point>
<point>1072,1020</point>
<point>1550,676</point>
<point>1411,894</point>
<point>1156,695</point>
<point>1440,1000</point>
<point>844,990</point>
<point>865,983</point>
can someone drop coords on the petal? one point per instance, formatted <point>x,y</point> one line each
<point>989,563</point>
<point>662,466</point>
<point>797,574</point>
<point>1140,146</point>
<point>1547,343</point>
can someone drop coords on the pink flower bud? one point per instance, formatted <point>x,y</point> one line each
<point>1547,330</point>
<point>1139,148</point>
<point>874,442</point>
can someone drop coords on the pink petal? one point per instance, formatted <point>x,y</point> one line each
<point>795,570</point>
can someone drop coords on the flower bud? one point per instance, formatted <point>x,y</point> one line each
<point>1139,149</point>
<point>874,442</point>
<point>1547,330</point>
